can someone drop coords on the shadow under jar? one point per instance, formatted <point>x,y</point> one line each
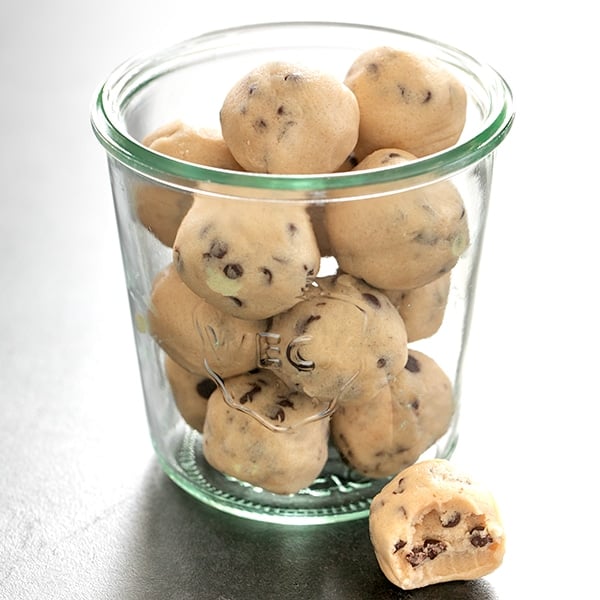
<point>300,336</point>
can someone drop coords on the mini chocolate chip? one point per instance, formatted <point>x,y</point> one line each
<point>281,110</point>
<point>451,520</point>
<point>412,364</point>
<point>372,300</point>
<point>400,488</point>
<point>205,387</point>
<point>480,537</point>
<point>429,550</point>
<point>381,363</point>
<point>233,271</point>
<point>302,324</point>
<point>251,89</point>
<point>292,228</point>
<point>218,249</point>
<point>399,545</point>
<point>414,404</point>
<point>249,395</point>
<point>279,415</point>
<point>267,273</point>
<point>292,77</point>
<point>260,125</point>
<point>286,402</point>
<point>427,97</point>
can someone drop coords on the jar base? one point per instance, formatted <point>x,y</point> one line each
<point>338,494</point>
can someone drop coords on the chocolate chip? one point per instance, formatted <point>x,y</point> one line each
<point>205,387</point>
<point>412,364</point>
<point>302,324</point>
<point>372,300</point>
<point>480,537</point>
<point>381,363</point>
<point>260,125</point>
<point>249,395</point>
<point>286,402</point>
<point>451,520</point>
<point>429,550</point>
<point>279,415</point>
<point>427,97</point>
<point>233,271</point>
<point>292,77</point>
<point>281,110</point>
<point>400,487</point>
<point>252,89</point>
<point>399,545</point>
<point>218,249</point>
<point>267,273</point>
<point>292,229</point>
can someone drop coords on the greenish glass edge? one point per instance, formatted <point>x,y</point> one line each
<point>139,158</point>
<point>144,160</point>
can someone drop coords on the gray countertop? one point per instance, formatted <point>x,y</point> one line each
<point>86,512</point>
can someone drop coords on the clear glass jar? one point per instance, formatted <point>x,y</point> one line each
<point>188,353</point>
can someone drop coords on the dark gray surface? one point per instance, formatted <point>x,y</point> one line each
<point>85,511</point>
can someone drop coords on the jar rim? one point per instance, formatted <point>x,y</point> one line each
<point>139,70</point>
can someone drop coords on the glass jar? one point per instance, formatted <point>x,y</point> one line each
<point>315,402</point>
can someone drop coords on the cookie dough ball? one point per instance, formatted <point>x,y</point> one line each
<point>431,523</point>
<point>287,118</point>
<point>406,101</point>
<point>345,340</point>
<point>238,444</point>
<point>249,259</point>
<point>190,393</point>
<point>422,308</point>
<point>403,240</point>
<point>161,209</point>
<point>195,333</point>
<point>381,435</point>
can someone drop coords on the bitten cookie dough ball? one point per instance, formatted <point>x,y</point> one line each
<point>239,445</point>
<point>287,118</point>
<point>345,340</point>
<point>192,331</point>
<point>161,209</point>
<point>190,393</point>
<point>403,240</point>
<point>249,259</point>
<point>381,435</point>
<point>431,523</point>
<point>406,101</point>
<point>422,308</point>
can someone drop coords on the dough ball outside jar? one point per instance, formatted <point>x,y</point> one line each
<point>195,333</point>
<point>433,523</point>
<point>271,440</point>
<point>384,433</point>
<point>287,118</point>
<point>249,258</point>
<point>406,101</point>
<point>160,209</point>
<point>344,340</point>
<point>401,240</point>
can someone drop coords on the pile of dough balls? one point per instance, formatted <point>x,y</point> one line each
<point>275,363</point>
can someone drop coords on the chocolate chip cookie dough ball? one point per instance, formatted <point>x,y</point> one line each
<point>382,434</point>
<point>161,209</point>
<point>249,259</point>
<point>195,333</point>
<point>238,444</point>
<point>345,340</point>
<point>406,101</point>
<point>190,393</point>
<point>422,308</point>
<point>432,523</point>
<point>403,240</point>
<point>287,118</point>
